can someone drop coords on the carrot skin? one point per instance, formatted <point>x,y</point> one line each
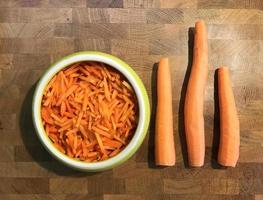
<point>229,123</point>
<point>164,139</point>
<point>194,99</point>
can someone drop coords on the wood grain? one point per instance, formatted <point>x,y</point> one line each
<point>34,34</point>
<point>68,185</point>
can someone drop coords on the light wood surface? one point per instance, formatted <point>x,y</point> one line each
<point>34,34</point>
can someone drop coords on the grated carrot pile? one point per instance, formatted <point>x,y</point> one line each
<point>89,111</point>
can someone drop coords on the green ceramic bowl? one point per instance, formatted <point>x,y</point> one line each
<point>143,102</point>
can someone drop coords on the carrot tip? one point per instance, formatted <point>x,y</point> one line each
<point>165,163</point>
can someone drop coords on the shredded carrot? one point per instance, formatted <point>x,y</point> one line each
<point>74,68</point>
<point>114,152</point>
<point>92,144</point>
<point>69,114</point>
<point>59,147</point>
<point>79,118</point>
<point>62,108</point>
<point>100,142</point>
<point>104,156</point>
<point>51,129</point>
<point>92,154</point>
<point>89,111</point>
<point>53,137</point>
<point>112,143</point>
<point>65,127</point>
<point>56,118</point>
<point>90,122</point>
<point>113,123</point>
<point>106,89</point>
<point>123,110</point>
<point>85,102</point>
<point>51,83</point>
<point>103,127</point>
<point>68,92</point>
<point>83,131</point>
<point>127,85</point>
<point>101,132</point>
<point>46,116</point>
<point>126,114</point>
<point>119,139</point>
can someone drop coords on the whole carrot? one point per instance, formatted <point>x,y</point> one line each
<point>164,139</point>
<point>229,124</point>
<point>194,99</point>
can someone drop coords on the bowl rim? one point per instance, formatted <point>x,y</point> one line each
<point>143,102</point>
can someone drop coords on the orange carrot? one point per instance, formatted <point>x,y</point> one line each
<point>65,127</point>
<point>69,91</point>
<point>229,124</point>
<point>59,147</point>
<point>63,108</point>
<point>72,69</point>
<point>85,102</point>
<point>194,99</point>
<point>164,139</point>
<point>51,129</point>
<point>114,152</point>
<point>58,119</point>
<point>101,132</point>
<point>92,154</point>
<point>100,142</point>
<point>114,94</point>
<point>106,89</point>
<point>79,118</point>
<point>89,111</point>
<point>112,143</point>
<point>46,116</point>
<point>68,107</point>
<point>68,114</point>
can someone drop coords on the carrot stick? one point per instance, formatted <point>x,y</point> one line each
<point>164,139</point>
<point>45,116</point>
<point>63,108</point>
<point>112,143</point>
<point>99,142</point>
<point>52,129</point>
<point>114,152</point>
<point>106,89</point>
<point>92,154</point>
<point>194,99</point>
<point>101,132</point>
<point>114,94</point>
<point>229,124</point>
<point>69,91</point>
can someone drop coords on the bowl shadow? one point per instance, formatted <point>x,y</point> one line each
<point>35,149</point>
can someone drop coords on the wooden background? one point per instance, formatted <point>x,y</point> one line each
<point>35,33</point>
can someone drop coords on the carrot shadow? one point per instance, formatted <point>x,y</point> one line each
<point>34,148</point>
<point>151,160</point>
<point>216,128</point>
<point>181,126</point>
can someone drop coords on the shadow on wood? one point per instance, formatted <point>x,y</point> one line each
<point>181,126</point>
<point>36,150</point>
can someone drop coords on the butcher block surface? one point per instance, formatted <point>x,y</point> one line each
<point>34,34</point>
